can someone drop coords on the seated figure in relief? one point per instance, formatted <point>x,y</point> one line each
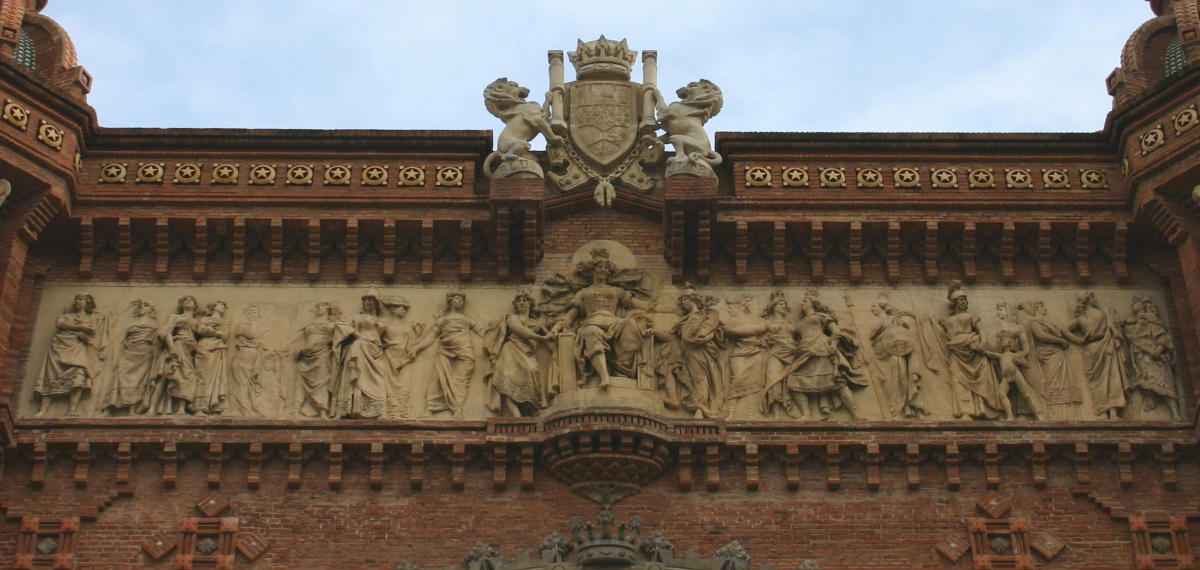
<point>74,361</point>
<point>598,307</point>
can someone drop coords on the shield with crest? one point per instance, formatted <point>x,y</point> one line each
<point>602,118</point>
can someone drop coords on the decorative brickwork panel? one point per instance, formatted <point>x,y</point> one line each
<point>46,542</point>
<point>206,543</point>
<point>1161,542</point>
<point>1000,543</point>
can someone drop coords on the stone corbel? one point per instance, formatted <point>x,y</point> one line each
<point>275,250</point>
<point>351,269</point>
<point>376,460</point>
<point>200,249</point>
<point>792,459</point>
<point>417,457</point>
<point>833,466</point>
<point>1008,250</point>
<point>239,248</point>
<point>124,458</point>
<point>215,458</point>
<point>170,464</point>
<point>335,458</point>
<point>816,252</point>
<point>254,463</point>
<point>83,464</point>
<point>855,253</point>
<point>314,249</point>
<point>426,250</point>
<point>1045,250</point>
<point>162,247</point>
<point>1082,252</point>
<point>124,247</point>
<point>892,252</point>
<point>970,252</point>
<point>953,462</point>
<point>932,249</point>
<point>39,458</point>
<point>779,252</point>
<point>295,462</point>
<point>912,465</point>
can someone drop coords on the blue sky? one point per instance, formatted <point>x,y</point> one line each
<point>799,65</point>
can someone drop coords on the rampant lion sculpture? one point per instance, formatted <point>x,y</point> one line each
<point>523,120</point>
<point>684,123</point>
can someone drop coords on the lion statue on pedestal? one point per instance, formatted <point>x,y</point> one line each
<point>523,120</point>
<point>684,123</point>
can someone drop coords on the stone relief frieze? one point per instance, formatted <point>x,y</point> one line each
<point>603,333</point>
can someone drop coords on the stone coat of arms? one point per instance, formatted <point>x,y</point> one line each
<point>602,128</point>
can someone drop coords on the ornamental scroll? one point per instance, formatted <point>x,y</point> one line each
<point>603,333</point>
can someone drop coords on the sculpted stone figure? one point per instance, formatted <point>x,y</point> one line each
<point>523,120</point>
<point>1152,357</point>
<point>1048,355</point>
<point>976,390</point>
<point>700,333</point>
<point>398,341</point>
<point>517,387</point>
<point>175,376</point>
<point>135,359</point>
<point>73,362</point>
<point>745,332</point>
<point>824,365</point>
<point>903,356</point>
<point>608,339</point>
<point>1010,356</point>
<point>247,367</point>
<point>360,390</point>
<point>316,360</point>
<point>1102,354</point>
<point>455,364</point>
<point>212,359</point>
<point>684,123</point>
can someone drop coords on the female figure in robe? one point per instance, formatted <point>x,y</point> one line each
<point>699,332</point>
<point>516,381</point>
<point>824,366</point>
<point>246,367</point>
<point>1059,378</point>
<point>212,362</point>
<point>1103,355</point>
<point>316,362</point>
<point>73,362</point>
<point>135,362</point>
<point>747,359</point>
<point>175,375</point>
<point>455,364</point>
<point>361,386</point>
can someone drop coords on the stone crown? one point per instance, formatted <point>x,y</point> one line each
<point>602,58</point>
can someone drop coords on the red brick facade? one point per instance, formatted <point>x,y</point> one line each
<point>352,208</point>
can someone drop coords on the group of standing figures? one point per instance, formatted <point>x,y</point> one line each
<point>596,328</point>
<point>190,363</point>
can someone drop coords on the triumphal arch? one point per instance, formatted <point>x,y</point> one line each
<point>645,346</point>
